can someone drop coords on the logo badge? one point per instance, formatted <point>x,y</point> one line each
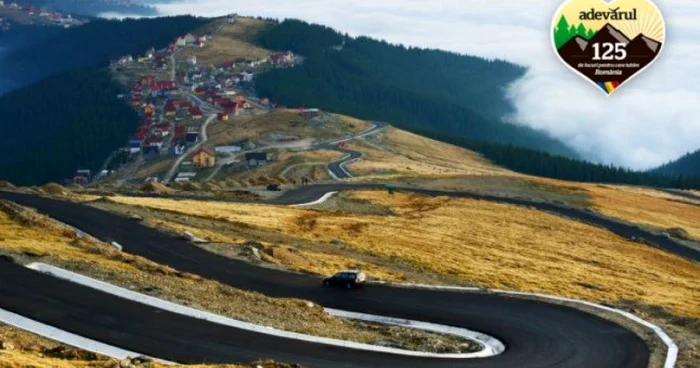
<point>608,43</point>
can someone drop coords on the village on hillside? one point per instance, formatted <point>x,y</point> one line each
<point>178,98</point>
<point>11,13</point>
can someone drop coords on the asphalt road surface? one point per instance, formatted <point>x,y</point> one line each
<point>337,168</point>
<point>536,334</point>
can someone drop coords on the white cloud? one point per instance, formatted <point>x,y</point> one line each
<point>653,119</point>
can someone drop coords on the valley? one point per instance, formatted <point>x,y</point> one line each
<point>242,160</point>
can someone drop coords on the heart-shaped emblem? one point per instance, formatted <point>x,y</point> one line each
<point>608,43</point>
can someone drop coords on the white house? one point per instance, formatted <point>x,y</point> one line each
<point>190,39</point>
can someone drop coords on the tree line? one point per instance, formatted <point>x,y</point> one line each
<point>449,97</point>
<point>416,87</point>
<point>68,121</point>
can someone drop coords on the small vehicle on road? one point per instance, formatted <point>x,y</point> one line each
<point>274,187</point>
<point>348,279</point>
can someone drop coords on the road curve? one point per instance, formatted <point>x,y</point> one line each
<point>337,168</point>
<point>536,334</point>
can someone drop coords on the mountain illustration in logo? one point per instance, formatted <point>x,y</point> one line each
<point>576,46</point>
<point>640,51</point>
<point>643,46</point>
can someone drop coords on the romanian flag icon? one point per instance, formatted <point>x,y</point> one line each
<point>609,87</point>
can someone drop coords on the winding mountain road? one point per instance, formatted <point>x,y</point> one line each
<point>337,168</point>
<point>536,334</point>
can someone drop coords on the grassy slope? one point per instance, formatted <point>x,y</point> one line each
<point>398,154</point>
<point>467,240</point>
<point>229,44</point>
<point>644,206</point>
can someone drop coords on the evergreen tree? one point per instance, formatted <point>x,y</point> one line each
<point>688,165</point>
<point>69,121</point>
<point>581,31</point>
<point>561,32</point>
<point>591,33</point>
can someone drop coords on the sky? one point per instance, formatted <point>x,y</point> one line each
<point>651,120</point>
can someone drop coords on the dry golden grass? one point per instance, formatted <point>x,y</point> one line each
<point>324,263</point>
<point>354,125</point>
<point>643,206</point>
<point>152,169</point>
<point>284,121</point>
<point>482,243</point>
<point>399,153</point>
<point>229,44</point>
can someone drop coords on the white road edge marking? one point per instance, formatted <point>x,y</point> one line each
<point>672,348</point>
<point>493,348</point>
<point>323,199</point>
<point>487,342</point>
<point>67,338</point>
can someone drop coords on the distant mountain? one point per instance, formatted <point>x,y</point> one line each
<point>94,7</point>
<point>412,88</point>
<point>688,165</point>
<point>94,44</point>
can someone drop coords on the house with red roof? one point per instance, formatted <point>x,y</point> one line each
<point>196,113</point>
<point>179,133</point>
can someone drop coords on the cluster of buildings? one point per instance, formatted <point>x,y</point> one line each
<point>39,15</point>
<point>149,88</point>
<point>171,110</point>
<point>189,40</point>
<point>150,136</point>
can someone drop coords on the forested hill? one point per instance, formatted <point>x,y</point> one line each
<point>544,164</point>
<point>95,44</point>
<point>67,121</point>
<point>26,35</point>
<point>688,165</point>
<point>20,35</point>
<point>453,98</point>
<point>411,88</point>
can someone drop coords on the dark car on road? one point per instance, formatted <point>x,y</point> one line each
<point>274,187</point>
<point>347,279</point>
